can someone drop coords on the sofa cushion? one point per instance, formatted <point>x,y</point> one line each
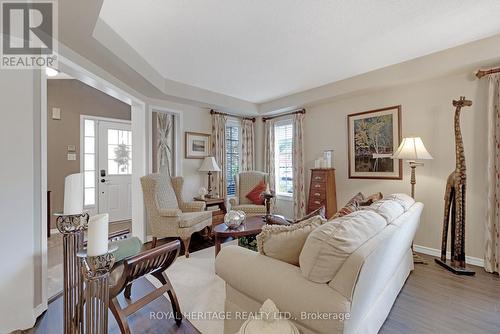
<point>318,212</point>
<point>285,242</point>
<point>329,245</point>
<point>189,219</point>
<point>255,195</point>
<point>261,277</point>
<point>404,200</point>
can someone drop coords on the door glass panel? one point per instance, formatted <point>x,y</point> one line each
<point>119,152</point>
<point>89,128</point>
<point>112,136</point>
<point>89,179</point>
<point>89,145</point>
<point>89,162</point>
<point>89,196</point>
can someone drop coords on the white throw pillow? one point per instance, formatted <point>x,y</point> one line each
<point>405,200</point>
<point>329,245</point>
<point>285,242</point>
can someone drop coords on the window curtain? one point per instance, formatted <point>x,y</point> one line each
<point>165,143</point>
<point>492,246</point>
<point>219,152</point>
<point>299,197</point>
<point>247,145</point>
<point>269,153</point>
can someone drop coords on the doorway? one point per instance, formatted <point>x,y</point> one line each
<point>107,166</point>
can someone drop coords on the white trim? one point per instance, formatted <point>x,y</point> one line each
<point>475,261</point>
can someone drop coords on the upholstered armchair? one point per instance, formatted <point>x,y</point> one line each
<point>168,214</point>
<point>245,182</point>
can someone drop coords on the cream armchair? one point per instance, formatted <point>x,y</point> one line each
<point>245,182</point>
<point>168,214</point>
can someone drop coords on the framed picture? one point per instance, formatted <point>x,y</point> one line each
<point>373,137</point>
<point>197,145</point>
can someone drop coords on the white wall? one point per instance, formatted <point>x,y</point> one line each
<point>193,120</point>
<point>426,112</point>
<point>19,201</point>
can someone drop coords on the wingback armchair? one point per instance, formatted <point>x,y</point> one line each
<point>245,182</point>
<point>168,214</point>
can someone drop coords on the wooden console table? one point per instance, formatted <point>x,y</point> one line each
<point>217,215</point>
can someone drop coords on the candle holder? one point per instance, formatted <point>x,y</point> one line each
<point>72,228</point>
<point>268,196</point>
<point>95,270</point>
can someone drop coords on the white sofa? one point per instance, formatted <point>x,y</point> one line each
<point>363,290</point>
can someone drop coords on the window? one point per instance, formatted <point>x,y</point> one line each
<point>233,149</point>
<point>89,162</point>
<point>283,136</point>
<point>119,152</point>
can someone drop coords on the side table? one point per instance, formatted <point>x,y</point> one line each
<point>217,215</point>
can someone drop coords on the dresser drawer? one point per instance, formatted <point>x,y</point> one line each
<point>315,186</point>
<point>317,194</point>
<point>315,204</point>
<point>318,176</point>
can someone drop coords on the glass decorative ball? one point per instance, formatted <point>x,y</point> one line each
<point>233,219</point>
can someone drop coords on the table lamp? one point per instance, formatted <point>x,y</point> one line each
<point>412,149</point>
<point>209,165</point>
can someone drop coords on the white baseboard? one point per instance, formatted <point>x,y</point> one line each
<point>475,261</point>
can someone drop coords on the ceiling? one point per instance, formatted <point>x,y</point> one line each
<point>261,50</point>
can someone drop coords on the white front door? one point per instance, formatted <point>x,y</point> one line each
<point>115,170</point>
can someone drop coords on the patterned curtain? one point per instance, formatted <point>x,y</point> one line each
<point>269,153</point>
<point>247,145</point>
<point>492,247</point>
<point>219,152</point>
<point>165,142</point>
<point>299,197</point>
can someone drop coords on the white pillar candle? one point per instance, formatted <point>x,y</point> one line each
<point>73,194</point>
<point>97,235</point>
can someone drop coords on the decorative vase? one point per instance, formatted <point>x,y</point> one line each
<point>233,219</point>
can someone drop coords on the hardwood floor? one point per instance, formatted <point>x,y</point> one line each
<point>433,300</point>
<point>52,322</point>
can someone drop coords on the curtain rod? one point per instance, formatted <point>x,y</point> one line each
<point>482,73</point>
<point>213,112</point>
<point>300,111</point>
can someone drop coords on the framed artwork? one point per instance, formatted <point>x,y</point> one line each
<point>373,137</point>
<point>197,145</point>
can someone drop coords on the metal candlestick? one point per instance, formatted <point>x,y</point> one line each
<point>72,228</point>
<point>96,275</point>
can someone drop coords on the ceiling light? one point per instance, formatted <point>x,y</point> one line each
<point>51,72</point>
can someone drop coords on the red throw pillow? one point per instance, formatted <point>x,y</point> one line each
<point>255,195</point>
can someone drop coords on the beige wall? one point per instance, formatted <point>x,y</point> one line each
<point>74,98</point>
<point>426,112</point>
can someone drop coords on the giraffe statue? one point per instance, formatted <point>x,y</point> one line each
<point>454,203</point>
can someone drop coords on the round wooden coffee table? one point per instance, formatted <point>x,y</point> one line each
<point>251,226</point>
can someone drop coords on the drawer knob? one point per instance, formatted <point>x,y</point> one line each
<point>317,194</point>
<point>317,186</point>
<point>317,202</point>
<point>317,178</point>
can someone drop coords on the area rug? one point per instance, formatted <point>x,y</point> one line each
<point>201,293</point>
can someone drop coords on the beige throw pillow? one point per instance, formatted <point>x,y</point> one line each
<point>285,242</point>
<point>329,245</point>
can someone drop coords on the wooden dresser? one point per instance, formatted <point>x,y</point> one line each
<point>322,191</point>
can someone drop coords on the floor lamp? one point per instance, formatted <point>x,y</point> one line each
<point>412,149</point>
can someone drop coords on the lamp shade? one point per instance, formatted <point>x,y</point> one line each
<point>412,148</point>
<point>209,165</point>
